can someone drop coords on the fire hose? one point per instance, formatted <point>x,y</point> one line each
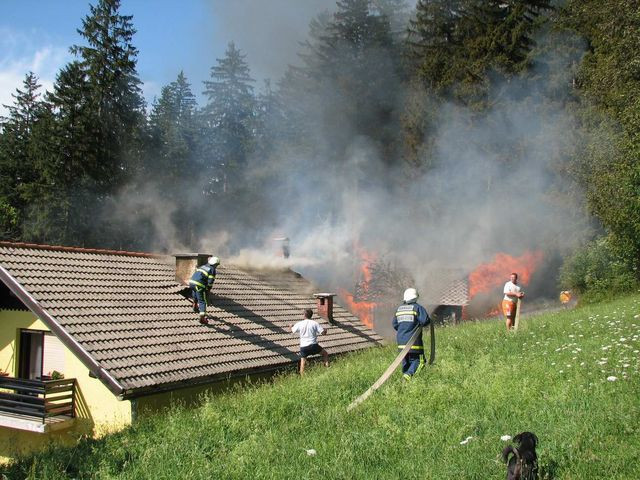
<point>387,373</point>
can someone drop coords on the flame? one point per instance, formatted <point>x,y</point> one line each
<point>489,275</point>
<point>362,309</point>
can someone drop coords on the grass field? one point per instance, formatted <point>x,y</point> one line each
<point>572,377</point>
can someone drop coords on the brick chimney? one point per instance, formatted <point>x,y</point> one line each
<point>186,264</point>
<point>325,305</point>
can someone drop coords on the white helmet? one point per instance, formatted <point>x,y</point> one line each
<point>213,261</point>
<point>410,295</point>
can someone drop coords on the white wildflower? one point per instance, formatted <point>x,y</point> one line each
<point>612,378</point>
<point>311,452</point>
<point>505,438</point>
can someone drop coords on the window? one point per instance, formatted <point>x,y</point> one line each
<point>40,354</point>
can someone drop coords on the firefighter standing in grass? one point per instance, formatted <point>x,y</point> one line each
<point>200,284</point>
<point>510,301</point>
<point>409,316</point>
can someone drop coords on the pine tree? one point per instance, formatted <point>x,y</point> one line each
<point>435,41</point>
<point>454,44</point>
<point>19,151</point>
<point>397,13</point>
<point>173,133</point>
<point>172,155</point>
<point>353,73</point>
<point>112,119</point>
<point>229,115</point>
<point>109,65</point>
<point>61,203</point>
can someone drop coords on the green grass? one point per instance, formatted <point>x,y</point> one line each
<point>550,378</point>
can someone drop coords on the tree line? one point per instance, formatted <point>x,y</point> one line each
<point>375,70</point>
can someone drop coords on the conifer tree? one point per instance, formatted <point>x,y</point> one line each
<point>109,64</point>
<point>63,205</point>
<point>173,131</point>
<point>19,151</point>
<point>229,120</point>
<point>352,72</point>
<point>105,88</point>
<point>172,163</point>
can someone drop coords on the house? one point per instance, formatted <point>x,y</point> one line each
<point>91,339</point>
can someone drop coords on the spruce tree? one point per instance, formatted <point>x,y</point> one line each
<point>353,74</point>
<point>229,120</point>
<point>19,152</point>
<point>109,64</point>
<point>113,119</point>
<point>173,131</point>
<point>172,163</point>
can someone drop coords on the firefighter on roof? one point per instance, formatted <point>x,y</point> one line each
<point>409,316</point>
<point>200,284</point>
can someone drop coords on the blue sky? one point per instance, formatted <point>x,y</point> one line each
<point>172,35</point>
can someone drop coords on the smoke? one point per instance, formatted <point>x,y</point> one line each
<point>268,32</point>
<point>495,181</point>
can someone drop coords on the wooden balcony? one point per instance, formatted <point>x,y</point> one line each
<point>37,405</point>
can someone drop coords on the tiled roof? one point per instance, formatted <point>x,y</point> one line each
<point>451,288</point>
<point>125,312</point>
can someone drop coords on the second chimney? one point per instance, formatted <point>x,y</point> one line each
<point>186,264</point>
<point>325,305</point>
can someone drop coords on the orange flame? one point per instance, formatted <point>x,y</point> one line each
<point>490,275</point>
<point>362,309</point>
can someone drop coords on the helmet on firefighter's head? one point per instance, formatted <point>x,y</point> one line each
<point>410,295</point>
<point>213,261</point>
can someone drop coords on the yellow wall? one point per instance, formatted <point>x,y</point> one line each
<point>98,411</point>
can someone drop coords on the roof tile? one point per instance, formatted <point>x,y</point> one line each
<point>125,310</point>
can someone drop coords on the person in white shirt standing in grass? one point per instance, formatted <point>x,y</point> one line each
<point>512,293</point>
<point>309,331</point>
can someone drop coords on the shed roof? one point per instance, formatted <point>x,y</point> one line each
<point>123,315</point>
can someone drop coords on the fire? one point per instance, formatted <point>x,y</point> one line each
<point>486,281</point>
<point>362,309</point>
<point>490,275</point>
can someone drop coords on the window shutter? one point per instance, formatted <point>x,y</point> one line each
<point>53,355</point>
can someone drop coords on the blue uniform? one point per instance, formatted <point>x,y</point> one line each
<point>408,317</point>
<point>200,283</point>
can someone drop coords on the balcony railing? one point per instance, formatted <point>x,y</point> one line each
<point>38,399</point>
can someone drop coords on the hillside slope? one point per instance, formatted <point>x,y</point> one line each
<point>554,377</point>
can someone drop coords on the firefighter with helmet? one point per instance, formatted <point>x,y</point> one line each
<point>410,316</point>
<point>200,284</point>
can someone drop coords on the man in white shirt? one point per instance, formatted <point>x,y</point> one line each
<point>309,331</point>
<point>510,301</point>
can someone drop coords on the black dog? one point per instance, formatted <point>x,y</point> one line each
<point>523,463</point>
